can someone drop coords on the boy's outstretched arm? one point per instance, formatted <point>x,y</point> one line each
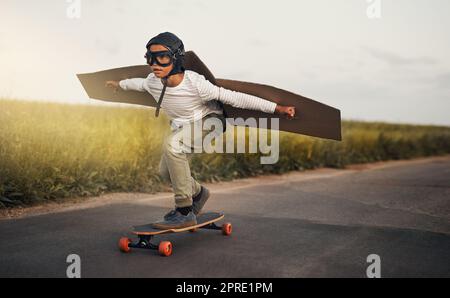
<point>136,84</point>
<point>209,91</point>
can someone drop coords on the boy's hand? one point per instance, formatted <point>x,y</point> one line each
<point>113,84</point>
<point>285,110</point>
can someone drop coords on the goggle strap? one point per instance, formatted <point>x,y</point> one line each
<point>158,105</point>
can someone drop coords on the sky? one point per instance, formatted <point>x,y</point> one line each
<point>375,60</point>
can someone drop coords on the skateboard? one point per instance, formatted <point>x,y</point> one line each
<point>147,232</point>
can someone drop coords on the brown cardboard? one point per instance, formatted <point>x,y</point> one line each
<point>312,118</point>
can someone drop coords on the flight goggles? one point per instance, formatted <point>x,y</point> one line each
<point>162,58</point>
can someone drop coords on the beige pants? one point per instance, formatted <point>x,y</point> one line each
<point>174,164</point>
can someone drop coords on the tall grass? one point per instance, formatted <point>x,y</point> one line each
<point>51,151</point>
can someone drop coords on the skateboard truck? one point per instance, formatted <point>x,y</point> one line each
<point>144,242</point>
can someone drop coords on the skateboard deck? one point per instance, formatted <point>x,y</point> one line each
<point>146,233</point>
<point>313,118</point>
<point>202,220</point>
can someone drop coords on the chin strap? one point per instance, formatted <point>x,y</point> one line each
<point>158,105</point>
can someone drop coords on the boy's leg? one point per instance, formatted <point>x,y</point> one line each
<point>192,145</point>
<point>184,186</point>
<point>175,159</point>
<point>180,174</point>
<point>165,176</point>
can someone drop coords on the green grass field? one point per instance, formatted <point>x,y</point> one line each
<point>53,151</point>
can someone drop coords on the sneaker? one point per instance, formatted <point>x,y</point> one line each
<point>177,221</point>
<point>200,200</point>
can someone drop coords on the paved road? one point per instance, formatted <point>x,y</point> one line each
<point>316,224</point>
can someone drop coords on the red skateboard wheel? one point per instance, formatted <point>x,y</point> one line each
<point>123,244</point>
<point>165,248</point>
<point>227,228</point>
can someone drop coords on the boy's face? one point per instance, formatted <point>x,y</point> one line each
<point>158,70</point>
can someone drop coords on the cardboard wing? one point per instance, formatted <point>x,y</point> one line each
<point>313,118</point>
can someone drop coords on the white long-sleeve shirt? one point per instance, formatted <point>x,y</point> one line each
<point>195,97</point>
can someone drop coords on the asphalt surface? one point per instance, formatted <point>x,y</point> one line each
<point>314,224</point>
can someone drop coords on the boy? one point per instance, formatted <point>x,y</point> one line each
<point>188,97</point>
